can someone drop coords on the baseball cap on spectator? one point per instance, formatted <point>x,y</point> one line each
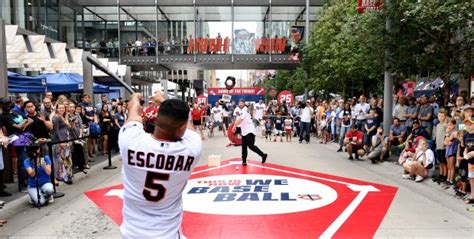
<point>353,126</point>
<point>442,110</point>
<point>416,121</point>
<point>469,121</point>
<point>469,107</point>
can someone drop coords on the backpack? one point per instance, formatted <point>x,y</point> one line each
<point>94,129</point>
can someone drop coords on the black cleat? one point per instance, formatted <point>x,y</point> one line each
<point>264,158</point>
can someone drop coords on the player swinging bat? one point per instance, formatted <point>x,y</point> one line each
<point>156,168</point>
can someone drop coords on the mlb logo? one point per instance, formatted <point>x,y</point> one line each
<point>270,201</point>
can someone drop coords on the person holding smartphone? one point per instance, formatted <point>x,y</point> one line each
<point>378,146</point>
<point>422,161</point>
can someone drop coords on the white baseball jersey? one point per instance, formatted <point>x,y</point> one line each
<point>217,112</point>
<point>154,175</point>
<point>259,109</point>
<point>247,126</point>
<point>238,111</point>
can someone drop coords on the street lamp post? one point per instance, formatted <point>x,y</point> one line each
<point>388,79</point>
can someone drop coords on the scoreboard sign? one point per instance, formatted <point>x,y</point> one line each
<point>270,201</point>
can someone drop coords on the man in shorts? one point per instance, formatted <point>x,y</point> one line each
<point>156,168</point>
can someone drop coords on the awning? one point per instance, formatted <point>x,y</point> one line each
<point>70,83</point>
<point>18,83</point>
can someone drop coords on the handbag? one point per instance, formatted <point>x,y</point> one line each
<point>24,139</point>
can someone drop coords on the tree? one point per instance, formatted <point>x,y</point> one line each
<point>345,50</point>
<point>345,53</point>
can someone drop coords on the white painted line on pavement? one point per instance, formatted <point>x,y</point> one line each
<point>302,174</point>
<point>341,219</point>
<point>209,169</point>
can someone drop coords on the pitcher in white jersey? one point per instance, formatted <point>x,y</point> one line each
<point>244,120</point>
<point>156,168</point>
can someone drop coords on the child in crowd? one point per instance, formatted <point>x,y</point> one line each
<point>288,128</point>
<point>268,129</point>
<point>439,134</point>
<point>278,127</point>
<point>262,122</point>
<point>451,149</point>
<point>370,129</point>
<point>323,125</point>
<point>463,166</point>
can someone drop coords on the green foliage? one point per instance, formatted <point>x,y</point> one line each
<point>346,51</point>
<point>432,37</point>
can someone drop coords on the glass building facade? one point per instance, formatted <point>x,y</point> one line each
<point>153,27</point>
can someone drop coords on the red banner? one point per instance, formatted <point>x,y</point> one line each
<point>236,91</point>
<point>363,5</point>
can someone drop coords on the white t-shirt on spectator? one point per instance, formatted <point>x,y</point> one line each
<point>306,114</point>
<point>149,163</point>
<point>429,157</point>
<point>365,110</point>
<point>246,126</point>
<point>259,109</point>
<point>217,113</point>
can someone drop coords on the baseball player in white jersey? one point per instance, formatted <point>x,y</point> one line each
<point>156,168</point>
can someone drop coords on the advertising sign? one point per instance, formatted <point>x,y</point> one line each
<point>286,96</point>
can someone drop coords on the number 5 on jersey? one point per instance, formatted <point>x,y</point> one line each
<point>152,184</point>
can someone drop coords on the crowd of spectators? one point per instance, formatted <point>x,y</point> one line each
<point>429,139</point>
<point>77,131</point>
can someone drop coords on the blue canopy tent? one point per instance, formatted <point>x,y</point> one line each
<point>18,83</point>
<point>71,83</point>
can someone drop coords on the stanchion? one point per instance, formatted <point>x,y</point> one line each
<point>53,177</point>
<point>110,166</point>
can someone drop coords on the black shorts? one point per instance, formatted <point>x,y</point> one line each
<point>463,169</point>
<point>441,156</point>
<point>196,122</point>
<point>430,166</point>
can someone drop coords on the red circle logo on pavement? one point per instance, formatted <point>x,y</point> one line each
<point>270,201</point>
<point>286,96</point>
<point>254,194</point>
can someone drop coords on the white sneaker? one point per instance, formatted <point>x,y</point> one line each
<point>406,176</point>
<point>51,199</point>
<point>419,178</point>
